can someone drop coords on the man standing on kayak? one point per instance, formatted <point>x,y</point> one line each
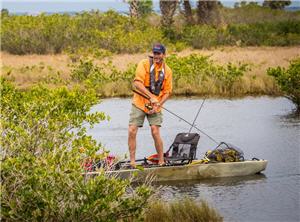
<point>154,80</point>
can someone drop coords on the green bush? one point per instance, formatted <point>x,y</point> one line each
<point>201,36</point>
<point>105,78</point>
<point>43,132</point>
<point>251,13</point>
<point>87,70</point>
<point>192,75</point>
<point>115,33</point>
<point>196,74</point>
<point>289,81</point>
<point>181,210</point>
<point>266,33</point>
<point>41,34</point>
<point>55,33</point>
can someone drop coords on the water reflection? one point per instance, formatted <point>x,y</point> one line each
<point>192,188</point>
<point>213,182</point>
<point>291,119</point>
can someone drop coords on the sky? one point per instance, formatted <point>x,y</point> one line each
<point>37,6</point>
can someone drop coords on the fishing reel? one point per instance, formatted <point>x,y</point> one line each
<point>149,106</point>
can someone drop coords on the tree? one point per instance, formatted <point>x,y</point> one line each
<point>4,12</point>
<point>145,7</point>
<point>244,4</point>
<point>138,8</point>
<point>133,8</point>
<point>289,81</point>
<point>276,4</point>
<point>167,9</point>
<point>188,12</point>
<point>208,13</point>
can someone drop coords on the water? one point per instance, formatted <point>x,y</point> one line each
<point>261,127</point>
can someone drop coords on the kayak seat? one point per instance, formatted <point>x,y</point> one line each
<point>183,149</point>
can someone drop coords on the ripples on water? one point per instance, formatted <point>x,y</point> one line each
<point>262,127</point>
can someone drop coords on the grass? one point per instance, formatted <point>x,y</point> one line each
<point>31,69</point>
<point>181,210</point>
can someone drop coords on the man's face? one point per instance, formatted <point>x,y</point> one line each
<point>158,57</point>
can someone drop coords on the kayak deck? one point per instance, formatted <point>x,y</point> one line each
<point>192,171</point>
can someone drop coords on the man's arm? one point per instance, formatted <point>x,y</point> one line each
<point>164,98</point>
<point>140,86</point>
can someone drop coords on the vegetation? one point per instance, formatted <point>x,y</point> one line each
<point>192,75</point>
<point>184,210</point>
<point>110,31</point>
<point>167,9</point>
<point>140,8</point>
<point>276,4</point>
<point>289,81</point>
<point>43,134</point>
<point>196,74</point>
<point>56,33</point>
<point>44,146</point>
<point>43,130</point>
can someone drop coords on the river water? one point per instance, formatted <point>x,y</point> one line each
<point>262,127</point>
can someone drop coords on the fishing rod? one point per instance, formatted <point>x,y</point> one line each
<point>197,115</point>
<point>201,106</point>
<point>179,117</point>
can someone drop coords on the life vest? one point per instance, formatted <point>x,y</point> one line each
<point>156,86</point>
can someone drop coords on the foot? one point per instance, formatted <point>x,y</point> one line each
<point>133,164</point>
<point>161,163</point>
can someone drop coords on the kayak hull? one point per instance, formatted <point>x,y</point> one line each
<point>193,171</point>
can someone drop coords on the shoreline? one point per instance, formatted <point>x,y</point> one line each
<point>28,70</point>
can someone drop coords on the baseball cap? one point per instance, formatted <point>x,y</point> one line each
<point>159,48</point>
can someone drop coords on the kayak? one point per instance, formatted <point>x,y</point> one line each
<point>191,171</point>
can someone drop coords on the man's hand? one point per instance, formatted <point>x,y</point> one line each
<point>155,104</point>
<point>153,100</point>
<point>155,107</point>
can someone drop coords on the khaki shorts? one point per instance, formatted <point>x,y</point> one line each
<point>137,117</point>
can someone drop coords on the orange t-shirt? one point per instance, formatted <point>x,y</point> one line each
<point>143,75</point>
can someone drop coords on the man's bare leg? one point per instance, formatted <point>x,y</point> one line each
<point>158,143</point>
<point>132,131</point>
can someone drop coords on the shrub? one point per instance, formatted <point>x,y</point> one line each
<point>199,75</point>
<point>42,177</point>
<point>266,33</point>
<point>116,33</point>
<point>87,70</point>
<point>41,34</point>
<point>200,36</point>
<point>44,34</point>
<point>184,210</point>
<point>250,14</point>
<point>289,81</point>
<point>192,75</point>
